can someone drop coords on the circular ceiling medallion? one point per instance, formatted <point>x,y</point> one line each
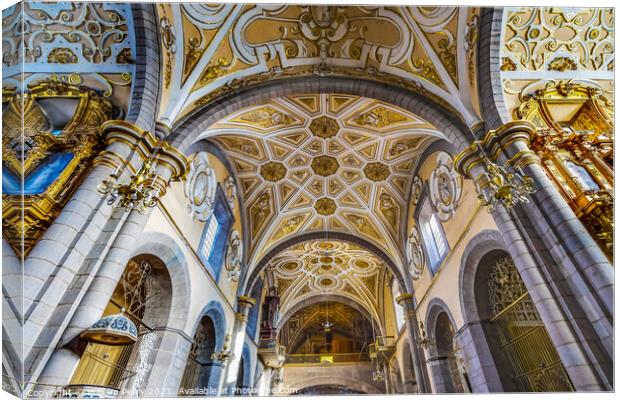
<point>324,127</point>
<point>327,282</point>
<point>326,245</point>
<point>376,171</point>
<point>326,260</point>
<point>290,266</point>
<point>273,171</point>
<point>324,165</point>
<point>326,267</point>
<point>325,206</point>
<point>361,264</point>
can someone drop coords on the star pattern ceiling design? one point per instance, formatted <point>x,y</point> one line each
<point>324,267</point>
<point>356,179</point>
<point>211,49</point>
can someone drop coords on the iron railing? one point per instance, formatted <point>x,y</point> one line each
<point>327,358</point>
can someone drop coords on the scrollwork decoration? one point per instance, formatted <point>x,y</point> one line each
<point>200,188</point>
<point>415,254</point>
<point>446,186</point>
<point>234,255</point>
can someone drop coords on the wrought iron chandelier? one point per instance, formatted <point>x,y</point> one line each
<point>377,374</point>
<point>424,341</point>
<point>139,193</point>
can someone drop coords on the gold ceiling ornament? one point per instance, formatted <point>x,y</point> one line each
<point>309,269</point>
<point>57,138</point>
<point>532,35</point>
<point>562,64</point>
<point>324,165</point>
<point>576,149</point>
<point>404,46</point>
<point>508,64</point>
<point>62,55</point>
<point>380,117</point>
<point>376,171</point>
<point>324,127</point>
<point>325,206</point>
<point>264,117</point>
<point>273,171</point>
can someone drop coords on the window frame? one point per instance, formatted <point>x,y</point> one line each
<point>221,208</point>
<point>424,197</point>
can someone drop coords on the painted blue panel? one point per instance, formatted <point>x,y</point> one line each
<point>39,179</point>
<point>11,183</point>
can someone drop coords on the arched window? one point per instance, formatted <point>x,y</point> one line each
<point>212,245</point>
<point>433,235</point>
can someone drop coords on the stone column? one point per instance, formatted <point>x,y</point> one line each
<point>244,303</point>
<point>407,301</point>
<point>566,274</point>
<point>479,362</point>
<point>106,268</point>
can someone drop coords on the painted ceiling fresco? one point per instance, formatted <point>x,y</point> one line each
<point>212,49</point>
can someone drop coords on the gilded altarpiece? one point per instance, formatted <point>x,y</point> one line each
<point>45,159</point>
<point>574,139</point>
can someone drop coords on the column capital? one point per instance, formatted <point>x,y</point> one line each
<point>246,301</point>
<point>130,146</point>
<point>403,298</point>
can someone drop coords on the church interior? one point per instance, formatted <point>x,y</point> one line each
<point>273,200</point>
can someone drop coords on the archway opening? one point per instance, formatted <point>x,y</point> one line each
<point>198,374</point>
<point>525,357</point>
<point>142,298</point>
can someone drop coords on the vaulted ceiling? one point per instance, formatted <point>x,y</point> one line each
<point>323,162</point>
<point>324,268</point>
<point>212,49</point>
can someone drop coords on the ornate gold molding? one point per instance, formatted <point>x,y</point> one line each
<point>60,122</point>
<point>574,139</point>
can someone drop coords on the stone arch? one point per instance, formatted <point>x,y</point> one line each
<point>492,106</point>
<point>443,361</point>
<point>478,356</point>
<point>355,384</point>
<point>214,310</point>
<point>404,285</point>
<point>145,93</point>
<point>478,247</point>
<point>435,307</point>
<point>165,249</point>
<point>445,120</point>
<point>319,298</point>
